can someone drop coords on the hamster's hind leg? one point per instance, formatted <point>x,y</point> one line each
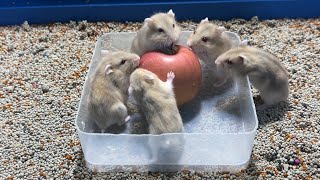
<point>120,113</point>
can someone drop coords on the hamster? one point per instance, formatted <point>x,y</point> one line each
<point>157,101</point>
<point>109,88</point>
<point>158,104</point>
<point>208,41</point>
<point>160,32</point>
<point>265,72</point>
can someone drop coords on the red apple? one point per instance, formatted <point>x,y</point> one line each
<point>186,67</point>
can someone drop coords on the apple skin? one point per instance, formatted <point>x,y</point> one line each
<point>186,67</point>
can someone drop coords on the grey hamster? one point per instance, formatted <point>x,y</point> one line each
<point>109,88</point>
<point>265,71</point>
<point>158,104</point>
<point>157,101</point>
<point>159,32</point>
<point>209,41</point>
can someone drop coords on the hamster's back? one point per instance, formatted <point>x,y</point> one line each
<point>162,113</point>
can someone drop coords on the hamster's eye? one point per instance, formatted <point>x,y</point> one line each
<point>122,62</point>
<point>160,30</point>
<point>204,39</point>
<point>173,25</point>
<point>229,62</point>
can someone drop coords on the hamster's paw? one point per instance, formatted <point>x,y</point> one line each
<point>127,119</point>
<point>170,76</point>
<point>124,121</point>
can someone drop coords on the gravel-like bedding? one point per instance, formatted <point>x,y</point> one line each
<point>43,69</point>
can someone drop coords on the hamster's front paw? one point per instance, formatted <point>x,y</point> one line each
<point>124,121</point>
<point>170,76</point>
<point>127,119</point>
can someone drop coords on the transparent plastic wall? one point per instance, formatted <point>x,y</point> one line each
<point>219,129</point>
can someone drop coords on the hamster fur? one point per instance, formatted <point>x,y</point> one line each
<point>158,104</point>
<point>209,41</point>
<point>157,101</point>
<point>160,32</point>
<point>265,72</point>
<point>109,88</point>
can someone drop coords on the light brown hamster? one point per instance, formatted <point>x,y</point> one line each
<point>109,88</point>
<point>157,101</point>
<point>209,41</point>
<point>265,72</point>
<point>158,105</point>
<point>160,33</point>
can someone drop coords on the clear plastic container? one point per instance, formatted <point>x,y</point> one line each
<point>219,129</point>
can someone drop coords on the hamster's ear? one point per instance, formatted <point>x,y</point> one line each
<point>206,20</point>
<point>240,59</point>
<point>244,43</point>
<point>149,21</point>
<point>221,29</point>
<point>108,69</point>
<point>218,61</point>
<point>170,13</point>
<point>149,79</point>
